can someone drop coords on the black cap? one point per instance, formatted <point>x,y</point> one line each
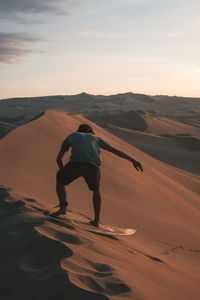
<point>85,128</point>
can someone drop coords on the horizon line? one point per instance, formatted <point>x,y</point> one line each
<point>104,95</point>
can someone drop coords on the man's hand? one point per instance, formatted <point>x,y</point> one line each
<point>59,157</point>
<point>137,165</point>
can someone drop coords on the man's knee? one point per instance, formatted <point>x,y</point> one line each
<point>96,191</point>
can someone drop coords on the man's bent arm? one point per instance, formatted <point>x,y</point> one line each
<point>121,154</point>
<point>60,156</point>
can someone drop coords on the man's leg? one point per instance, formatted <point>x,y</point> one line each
<point>61,192</point>
<point>97,207</point>
<point>92,176</point>
<point>66,175</point>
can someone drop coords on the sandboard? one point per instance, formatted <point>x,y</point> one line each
<point>108,230</point>
<point>102,229</point>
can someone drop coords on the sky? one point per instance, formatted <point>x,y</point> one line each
<point>65,47</point>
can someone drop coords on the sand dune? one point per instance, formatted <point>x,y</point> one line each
<point>48,260</point>
<point>179,150</point>
<point>171,123</point>
<point>170,141</point>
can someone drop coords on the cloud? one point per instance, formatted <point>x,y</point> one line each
<point>18,7</point>
<point>14,46</point>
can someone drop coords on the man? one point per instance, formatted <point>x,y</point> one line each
<point>84,161</point>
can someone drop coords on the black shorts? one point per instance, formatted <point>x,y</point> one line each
<point>73,170</point>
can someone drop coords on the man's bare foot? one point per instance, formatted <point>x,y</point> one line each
<point>94,223</point>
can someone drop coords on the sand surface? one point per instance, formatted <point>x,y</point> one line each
<point>43,259</point>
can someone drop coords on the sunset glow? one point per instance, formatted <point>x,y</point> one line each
<point>99,47</point>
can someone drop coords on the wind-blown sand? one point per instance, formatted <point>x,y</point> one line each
<point>42,259</point>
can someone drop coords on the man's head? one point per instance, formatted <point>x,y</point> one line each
<point>85,128</point>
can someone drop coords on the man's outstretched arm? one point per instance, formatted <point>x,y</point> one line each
<point>121,154</point>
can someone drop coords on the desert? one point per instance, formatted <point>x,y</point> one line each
<point>43,259</point>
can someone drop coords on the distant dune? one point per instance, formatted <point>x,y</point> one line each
<point>46,260</point>
<point>130,120</point>
<point>170,141</point>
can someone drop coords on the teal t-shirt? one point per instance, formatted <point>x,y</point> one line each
<point>85,147</point>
